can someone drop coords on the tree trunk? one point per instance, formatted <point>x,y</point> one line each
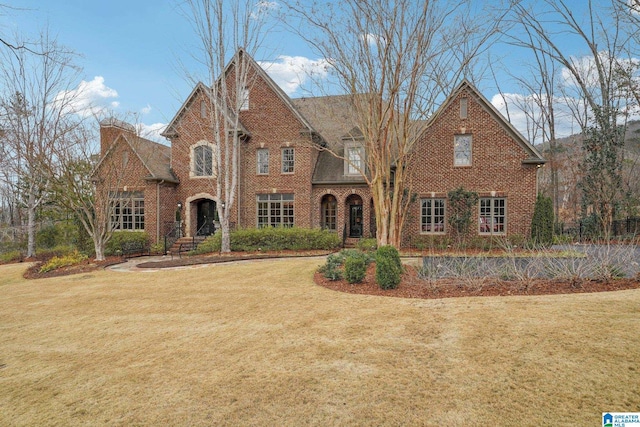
<point>31,226</point>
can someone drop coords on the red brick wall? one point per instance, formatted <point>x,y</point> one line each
<point>496,166</point>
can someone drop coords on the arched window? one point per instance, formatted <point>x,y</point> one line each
<point>202,160</point>
<point>328,212</point>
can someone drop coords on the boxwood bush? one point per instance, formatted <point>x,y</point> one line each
<point>355,268</point>
<point>388,267</point>
<point>273,239</point>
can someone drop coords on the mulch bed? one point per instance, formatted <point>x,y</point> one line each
<point>87,266</point>
<point>412,286</point>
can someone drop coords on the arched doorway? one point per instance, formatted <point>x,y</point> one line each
<point>328,212</point>
<point>355,216</point>
<point>206,217</point>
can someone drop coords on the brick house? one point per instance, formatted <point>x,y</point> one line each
<point>286,178</point>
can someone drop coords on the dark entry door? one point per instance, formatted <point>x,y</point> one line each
<point>355,220</point>
<point>206,215</point>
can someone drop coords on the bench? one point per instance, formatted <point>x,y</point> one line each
<point>131,249</point>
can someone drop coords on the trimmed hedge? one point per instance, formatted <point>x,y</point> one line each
<point>273,239</point>
<point>388,267</point>
<point>118,238</point>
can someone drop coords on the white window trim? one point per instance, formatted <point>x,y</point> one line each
<point>192,162</point>
<point>244,98</point>
<point>266,150</point>
<point>282,160</point>
<point>348,165</point>
<point>463,165</point>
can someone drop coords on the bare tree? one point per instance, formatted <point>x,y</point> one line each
<point>599,104</point>
<point>35,111</point>
<point>397,60</point>
<point>226,30</point>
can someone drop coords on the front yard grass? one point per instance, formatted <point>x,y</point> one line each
<point>259,343</point>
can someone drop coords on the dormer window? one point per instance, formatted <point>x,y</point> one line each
<point>202,160</point>
<point>354,159</point>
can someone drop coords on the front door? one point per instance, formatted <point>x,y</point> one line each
<point>206,215</point>
<point>355,220</point>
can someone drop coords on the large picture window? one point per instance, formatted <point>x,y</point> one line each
<point>127,210</point>
<point>493,218</point>
<point>432,216</point>
<point>202,160</point>
<point>275,210</point>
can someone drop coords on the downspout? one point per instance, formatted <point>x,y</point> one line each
<point>158,210</point>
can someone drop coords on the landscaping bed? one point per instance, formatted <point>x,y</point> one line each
<point>412,286</point>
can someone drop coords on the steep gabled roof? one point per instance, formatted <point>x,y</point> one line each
<point>155,157</point>
<point>200,87</point>
<point>276,89</point>
<point>534,155</point>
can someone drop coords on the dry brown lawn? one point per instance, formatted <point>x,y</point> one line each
<point>258,343</point>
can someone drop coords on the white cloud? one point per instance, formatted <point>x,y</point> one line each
<point>146,110</point>
<point>292,72</point>
<point>89,97</point>
<point>152,131</point>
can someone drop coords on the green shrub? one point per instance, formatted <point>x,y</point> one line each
<point>11,256</point>
<point>425,242</point>
<point>274,239</point>
<point>59,234</point>
<point>368,245</point>
<point>59,251</point>
<point>355,268</point>
<point>542,221</point>
<point>118,238</point>
<point>331,270</point>
<point>388,267</point>
<point>64,261</point>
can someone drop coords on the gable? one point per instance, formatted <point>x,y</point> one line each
<point>466,89</point>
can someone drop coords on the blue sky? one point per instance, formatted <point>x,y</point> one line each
<point>131,51</point>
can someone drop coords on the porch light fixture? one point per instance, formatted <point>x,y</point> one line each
<point>222,204</point>
<point>180,205</point>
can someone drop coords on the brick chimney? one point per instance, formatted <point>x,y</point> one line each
<point>110,130</point>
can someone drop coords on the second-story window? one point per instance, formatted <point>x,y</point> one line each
<point>462,150</point>
<point>202,160</point>
<point>354,163</point>
<point>262,157</point>
<point>288,157</point>
<point>244,98</point>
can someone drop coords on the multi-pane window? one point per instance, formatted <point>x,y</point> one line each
<point>493,219</point>
<point>329,205</point>
<point>275,210</point>
<point>355,159</point>
<point>127,210</point>
<point>244,98</point>
<point>263,161</point>
<point>202,160</point>
<point>432,216</point>
<point>462,150</point>
<point>287,160</point>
